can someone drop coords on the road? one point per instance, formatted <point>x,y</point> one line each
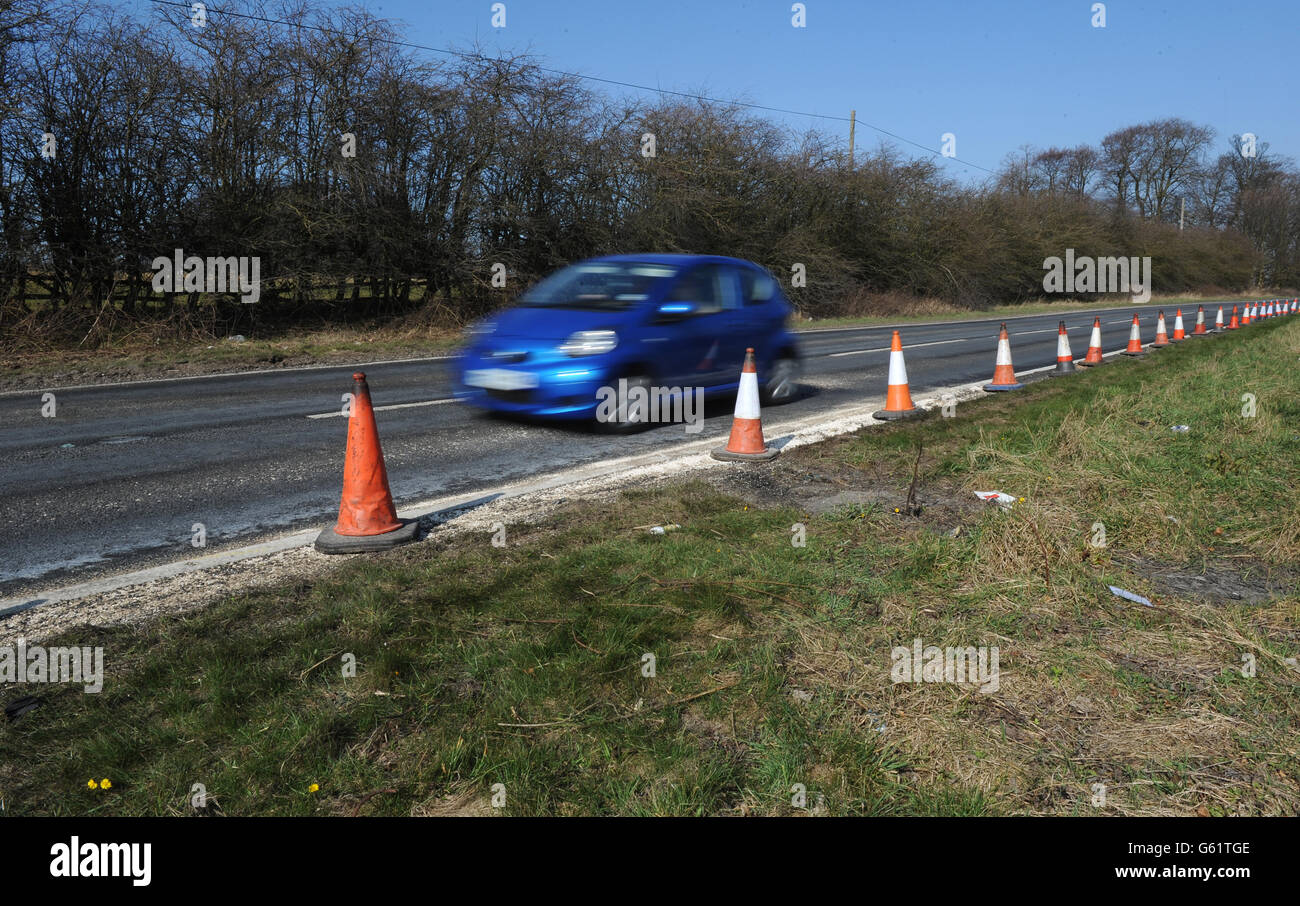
<point>119,477</point>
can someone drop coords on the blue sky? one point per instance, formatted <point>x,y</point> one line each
<point>996,74</point>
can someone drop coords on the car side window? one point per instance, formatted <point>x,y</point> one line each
<point>756,286</point>
<point>703,286</point>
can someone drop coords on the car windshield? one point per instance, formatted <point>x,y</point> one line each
<point>601,286</point>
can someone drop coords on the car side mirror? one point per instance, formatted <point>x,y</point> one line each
<point>675,311</point>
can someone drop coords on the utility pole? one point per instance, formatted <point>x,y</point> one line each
<point>1181,203</point>
<point>853,122</point>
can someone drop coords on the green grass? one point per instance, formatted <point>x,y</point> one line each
<point>522,666</point>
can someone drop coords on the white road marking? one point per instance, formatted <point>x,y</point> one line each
<point>339,413</point>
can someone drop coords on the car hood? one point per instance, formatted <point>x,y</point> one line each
<point>556,323</point>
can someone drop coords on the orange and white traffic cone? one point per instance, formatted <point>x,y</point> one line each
<point>1064,358</point>
<point>1199,330</point>
<point>1179,333</point>
<point>1218,321</point>
<point>1162,337</point>
<point>367,519</point>
<point>1004,375</point>
<point>1233,324</point>
<point>746,442</point>
<point>898,399</point>
<point>1094,356</point>
<point>1135,339</point>
<point>1246,315</point>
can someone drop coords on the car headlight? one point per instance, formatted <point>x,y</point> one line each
<point>589,342</point>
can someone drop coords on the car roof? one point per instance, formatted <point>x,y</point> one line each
<point>678,259</point>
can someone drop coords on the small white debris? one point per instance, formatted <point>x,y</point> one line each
<point>1180,429</point>
<point>1006,501</point>
<point>1129,596</point>
<point>661,529</point>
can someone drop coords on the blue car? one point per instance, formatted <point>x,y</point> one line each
<point>669,324</point>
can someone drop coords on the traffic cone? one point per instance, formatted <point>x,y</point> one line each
<point>1094,356</point>
<point>746,442</point>
<point>367,518</point>
<point>1179,333</point>
<point>1245,315</point>
<point>1233,325</point>
<point>1064,360</point>
<point>1199,329</point>
<point>1135,339</point>
<point>1004,375</point>
<point>1218,321</point>
<point>898,400</point>
<point>1162,338</point>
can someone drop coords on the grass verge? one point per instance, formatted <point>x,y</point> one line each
<point>526,666</point>
<point>931,310</point>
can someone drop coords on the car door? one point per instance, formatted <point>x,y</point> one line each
<point>759,318</point>
<point>699,350</point>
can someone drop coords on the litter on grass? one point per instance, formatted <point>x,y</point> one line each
<point>1006,501</point>
<point>661,529</point>
<point>1180,429</point>
<point>1129,596</point>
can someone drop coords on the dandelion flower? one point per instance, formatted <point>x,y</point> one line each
<point>105,784</point>
<point>313,788</point>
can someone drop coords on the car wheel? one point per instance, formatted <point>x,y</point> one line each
<point>631,417</point>
<point>782,382</point>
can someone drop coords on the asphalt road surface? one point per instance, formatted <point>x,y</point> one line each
<point>119,477</point>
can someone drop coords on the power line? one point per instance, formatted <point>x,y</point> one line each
<point>577,75</point>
